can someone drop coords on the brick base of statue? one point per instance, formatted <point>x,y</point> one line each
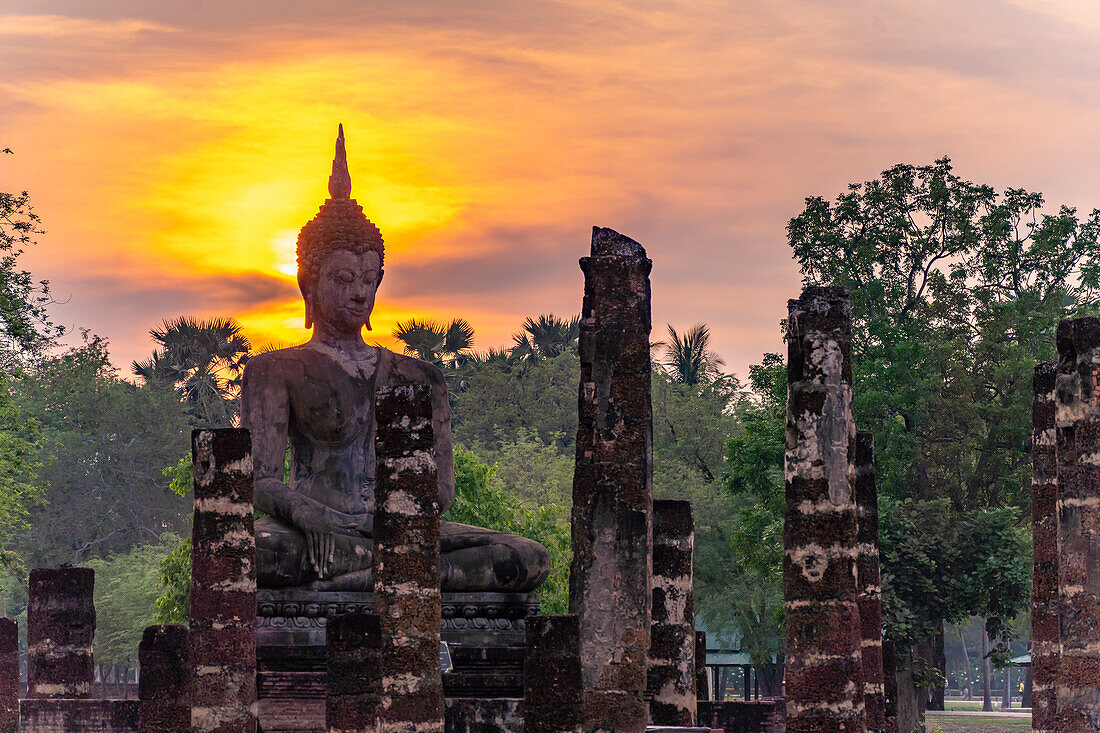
<point>485,634</point>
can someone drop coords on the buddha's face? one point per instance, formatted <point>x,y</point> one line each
<point>343,294</point>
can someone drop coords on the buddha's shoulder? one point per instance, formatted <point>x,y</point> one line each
<point>279,362</point>
<point>405,369</point>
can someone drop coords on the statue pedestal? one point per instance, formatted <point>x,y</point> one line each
<point>484,633</point>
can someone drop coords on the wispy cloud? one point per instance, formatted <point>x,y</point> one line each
<point>175,147</point>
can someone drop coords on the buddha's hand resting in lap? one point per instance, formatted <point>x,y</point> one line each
<point>320,533</point>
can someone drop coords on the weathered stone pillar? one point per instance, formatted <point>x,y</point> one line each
<point>1077,421</point>
<point>406,562</point>
<point>163,684</point>
<point>869,584</point>
<point>354,677</point>
<point>9,675</point>
<point>223,584</point>
<point>702,685</point>
<point>60,628</point>
<point>609,582</point>
<point>553,691</point>
<point>890,685</point>
<point>672,650</point>
<point>1044,531</point>
<point>820,525</point>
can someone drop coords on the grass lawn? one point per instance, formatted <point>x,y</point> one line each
<point>968,724</point>
<point>973,705</point>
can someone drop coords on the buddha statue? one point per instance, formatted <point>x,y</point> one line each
<point>319,396</point>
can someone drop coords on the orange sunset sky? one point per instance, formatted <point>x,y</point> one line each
<point>173,149</point>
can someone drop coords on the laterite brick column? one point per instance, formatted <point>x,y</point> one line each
<point>553,692</point>
<point>222,640</point>
<point>163,684</point>
<point>869,588</point>
<point>354,677</point>
<point>609,581</point>
<point>672,651</point>
<point>60,628</point>
<point>820,529</point>
<point>1077,421</point>
<point>1045,633</point>
<point>890,685</point>
<point>9,675</point>
<point>702,684</point>
<point>406,562</point>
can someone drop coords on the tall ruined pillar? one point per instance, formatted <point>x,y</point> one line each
<point>553,691</point>
<point>702,684</point>
<point>869,588</point>
<point>890,685</point>
<point>820,530</point>
<point>672,650</point>
<point>354,672</point>
<point>1077,422</point>
<point>9,675</point>
<point>1044,531</point>
<point>609,581</point>
<point>222,640</point>
<point>406,561</point>
<point>60,629</point>
<point>162,686</point>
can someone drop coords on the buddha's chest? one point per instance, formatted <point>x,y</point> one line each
<point>331,407</point>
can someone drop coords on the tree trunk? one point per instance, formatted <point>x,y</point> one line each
<point>911,699</point>
<point>1025,702</point>
<point>938,659</point>
<point>987,673</point>
<point>769,679</point>
<point>1006,700</point>
<point>966,661</point>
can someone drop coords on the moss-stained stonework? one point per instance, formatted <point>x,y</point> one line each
<point>824,657</point>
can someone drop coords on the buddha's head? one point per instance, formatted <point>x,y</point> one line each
<point>340,256</point>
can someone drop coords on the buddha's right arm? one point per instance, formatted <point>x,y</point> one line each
<point>265,411</point>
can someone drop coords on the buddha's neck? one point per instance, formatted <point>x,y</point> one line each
<point>325,334</point>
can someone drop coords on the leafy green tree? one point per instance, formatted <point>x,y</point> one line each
<point>20,489</point>
<point>481,503</point>
<point>502,398</point>
<point>25,327</point>
<point>104,441</point>
<point>533,471</point>
<point>203,360</point>
<point>956,292</point>
<point>545,336</point>
<point>688,358</point>
<point>126,589</point>
<point>752,595</point>
<point>448,346</point>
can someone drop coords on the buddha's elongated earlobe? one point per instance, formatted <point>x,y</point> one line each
<point>309,316</point>
<point>368,323</point>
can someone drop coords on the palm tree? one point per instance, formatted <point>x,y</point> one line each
<point>448,346</point>
<point>545,336</point>
<point>688,359</point>
<point>203,360</point>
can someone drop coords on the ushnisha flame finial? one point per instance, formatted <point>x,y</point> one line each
<point>339,183</point>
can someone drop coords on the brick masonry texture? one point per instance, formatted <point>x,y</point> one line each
<point>553,692</point>
<point>672,649</point>
<point>820,534</point>
<point>613,484</point>
<point>163,685</point>
<point>1044,530</point>
<point>1077,424</point>
<point>406,562</point>
<point>869,591</point>
<point>222,642</point>
<point>354,672</point>
<point>60,629</point>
